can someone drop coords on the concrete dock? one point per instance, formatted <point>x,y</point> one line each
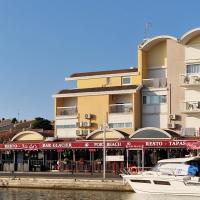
<point>57,181</point>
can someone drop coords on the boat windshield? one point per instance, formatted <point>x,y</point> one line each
<point>191,168</point>
<point>171,168</point>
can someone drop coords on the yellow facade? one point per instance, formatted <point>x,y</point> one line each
<point>137,110</point>
<point>28,136</point>
<point>97,106</point>
<point>142,65</point>
<point>195,40</point>
<point>107,82</point>
<point>91,83</point>
<point>157,56</point>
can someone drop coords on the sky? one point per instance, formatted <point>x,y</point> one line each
<point>44,41</point>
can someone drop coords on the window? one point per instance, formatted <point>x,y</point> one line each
<point>162,182</point>
<point>66,126</point>
<point>126,80</point>
<point>120,125</point>
<point>108,81</point>
<point>163,99</point>
<point>193,68</point>
<point>146,99</point>
<point>140,181</point>
<point>154,99</point>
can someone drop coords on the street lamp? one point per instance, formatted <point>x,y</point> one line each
<point>104,151</point>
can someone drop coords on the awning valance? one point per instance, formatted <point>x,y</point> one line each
<point>85,144</point>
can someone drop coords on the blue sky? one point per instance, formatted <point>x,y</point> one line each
<point>43,41</point>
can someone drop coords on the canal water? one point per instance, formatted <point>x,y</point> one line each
<point>36,194</point>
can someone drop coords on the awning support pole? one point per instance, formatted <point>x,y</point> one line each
<point>127,154</point>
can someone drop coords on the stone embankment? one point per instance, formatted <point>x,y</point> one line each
<point>69,184</point>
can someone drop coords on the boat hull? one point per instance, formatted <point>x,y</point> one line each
<point>163,185</point>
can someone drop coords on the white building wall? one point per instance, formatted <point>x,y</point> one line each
<point>66,121</point>
<point>155,115</point>
<point>120,118</point>
<point>155,120</point>
<point>192,53</point>
<point>66,132</point>
<point>192,95</point>
<point>193,121</point>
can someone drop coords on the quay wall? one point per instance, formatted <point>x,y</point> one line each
<point>70,184</point>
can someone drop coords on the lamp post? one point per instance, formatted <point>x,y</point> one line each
<point>104,151</point>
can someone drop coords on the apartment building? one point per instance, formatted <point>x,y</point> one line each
<point>161,61</point>
<point>104,97</point>
<point>163,92</point>
<point>190,81</point>
<point>171,79</point>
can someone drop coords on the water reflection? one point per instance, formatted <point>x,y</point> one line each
<point>35,194</point>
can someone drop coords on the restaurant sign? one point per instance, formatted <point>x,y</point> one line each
<point>128,144</point>
<point>115,158</point>
<point>23,146</point>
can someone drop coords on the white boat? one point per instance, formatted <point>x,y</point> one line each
<point>169,176</point>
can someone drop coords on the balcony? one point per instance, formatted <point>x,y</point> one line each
<point>121,108</point>
<point>155,82</point>
<point>191,107</point>
<point>191,80</point>
<point>190,132</point>
<point>66,111</point>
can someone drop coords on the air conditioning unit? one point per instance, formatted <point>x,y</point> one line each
<point>172,125</point>
<point>86,124</point>
<point>80,124</point>
<point>197,79</point>
<point>172,116</point>
<point>186,79</point>
<point>88,116</point>
<point>85,132</point>
<point>78,132</point>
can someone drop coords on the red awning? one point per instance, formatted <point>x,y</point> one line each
<point>85,144</point>
<point>193,145</point>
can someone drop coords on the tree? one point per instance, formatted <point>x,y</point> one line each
<point>41,123</point>
<point>14,120</point>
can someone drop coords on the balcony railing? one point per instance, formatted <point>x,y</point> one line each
<point>121,108</point>
<point>155,82</point>
<point>66,111</point>
<point>190,80</point>
<point>191,107</point>
<point>192,132</point>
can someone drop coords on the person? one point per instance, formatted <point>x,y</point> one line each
<point>73,166</point>
<point>133,168</point>
<point>58,165</point>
